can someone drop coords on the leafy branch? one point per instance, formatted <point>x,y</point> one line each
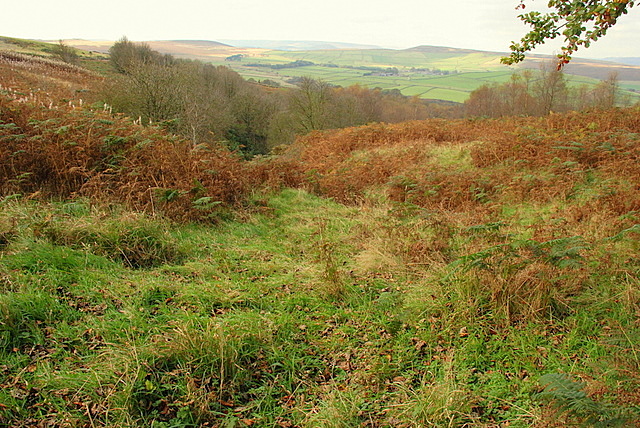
<point>579,22</point>
<point>568,396</point>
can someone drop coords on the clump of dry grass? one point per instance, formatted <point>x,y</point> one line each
<point>53,146</point>
<point>475,168</point>
<point>62,153</point>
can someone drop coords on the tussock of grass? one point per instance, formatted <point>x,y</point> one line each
<point>457,156</point>
<point>134,240</point>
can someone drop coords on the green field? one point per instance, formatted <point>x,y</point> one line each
<point>630,85</point>
<point>429,72</point>
<point>448,76</point>
<point>452,87</point>
<point>455,87</point>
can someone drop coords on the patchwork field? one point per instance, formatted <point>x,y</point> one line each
<point>427,71</point>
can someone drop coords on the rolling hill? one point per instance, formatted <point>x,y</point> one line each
<point>295,45</point>
<point>429,72</point>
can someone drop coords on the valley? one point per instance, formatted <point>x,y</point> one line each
<point>428,72</point>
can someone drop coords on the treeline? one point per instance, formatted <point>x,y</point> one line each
<point>213,104</point>
<point>532,93</point>
<point>294,64</point>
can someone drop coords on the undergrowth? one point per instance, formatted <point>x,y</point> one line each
<point>62,148</point>
<point>288,319</point>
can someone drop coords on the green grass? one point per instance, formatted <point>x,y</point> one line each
<point>451,88</point>
<point>305,314</point>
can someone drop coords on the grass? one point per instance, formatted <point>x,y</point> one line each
<point>286,318</point>
<point>468,70</point>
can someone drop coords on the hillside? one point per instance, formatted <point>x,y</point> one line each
<point>430,273</point>
<point>625,60</point>
<point>429,72</point>
<point>178,48</point>
<point>45,99</point>
<point>295,45</point>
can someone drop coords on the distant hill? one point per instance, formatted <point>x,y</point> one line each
<point>191,48</point>
<point>202,43</point>
<point>101,46</point>
<point>295,45</point>
<point>164,46</point>
<point>449,50</point>
<point>629,60</point>
<point>203,50</point>
<point>592,68</point>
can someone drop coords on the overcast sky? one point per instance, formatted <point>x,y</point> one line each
<point>476,24</point>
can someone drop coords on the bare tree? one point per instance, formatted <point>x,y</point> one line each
<point>65,53</point>
<point>310,104</point>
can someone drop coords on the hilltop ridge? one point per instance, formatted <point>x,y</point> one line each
<point>296,45</point>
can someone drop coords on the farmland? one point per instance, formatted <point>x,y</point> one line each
<point>427,72</point>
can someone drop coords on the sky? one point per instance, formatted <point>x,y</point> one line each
<point>473,24</point>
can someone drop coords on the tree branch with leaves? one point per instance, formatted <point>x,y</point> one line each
<point>580,22</point>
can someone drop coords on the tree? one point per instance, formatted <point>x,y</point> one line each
<point>207,104</point>
<point>511,98</point>
<point>605,94</point>
<point>580,22</point>
<point>538,93</point>
<point>65,53</point>
<point>310,104</point>
<point>550,91</point>
<point>125,55</point>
